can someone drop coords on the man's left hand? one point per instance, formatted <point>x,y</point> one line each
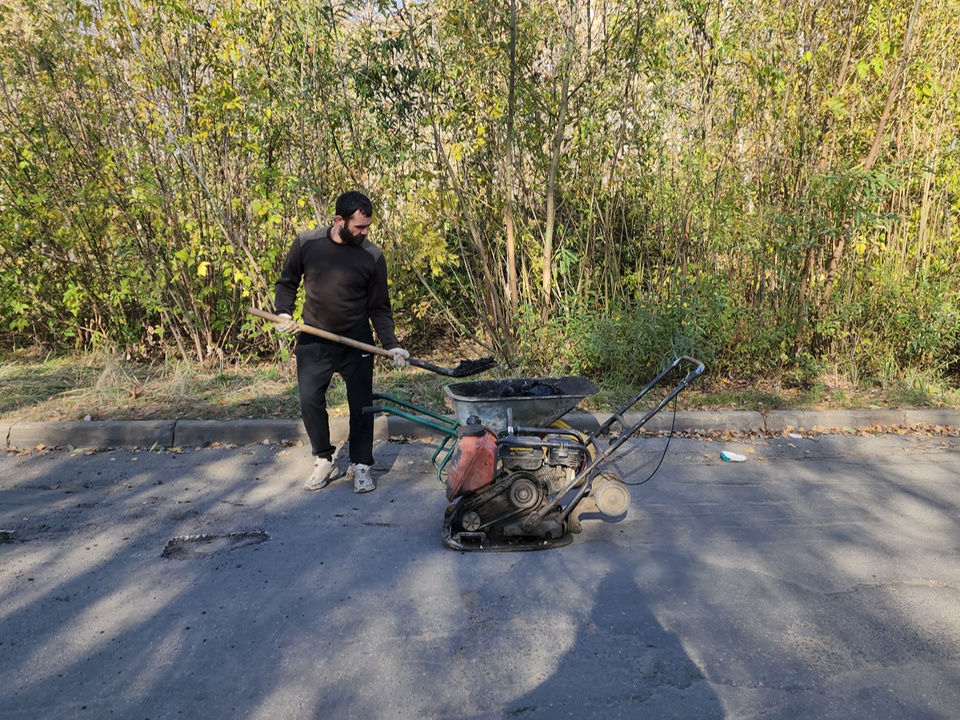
<point>399,358</point>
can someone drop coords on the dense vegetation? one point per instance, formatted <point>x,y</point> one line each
<point>772,186</point>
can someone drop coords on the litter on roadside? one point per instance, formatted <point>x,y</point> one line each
<point>732,456</point>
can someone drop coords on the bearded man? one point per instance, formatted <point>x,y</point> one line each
<point>344,279</point>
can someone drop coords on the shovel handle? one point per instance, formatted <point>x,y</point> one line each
<point>310,330</point>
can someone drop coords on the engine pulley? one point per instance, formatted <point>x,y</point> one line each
<point>471,521</point>
<point>525,492</point>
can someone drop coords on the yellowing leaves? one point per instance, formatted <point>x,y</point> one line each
<point>837,107</point>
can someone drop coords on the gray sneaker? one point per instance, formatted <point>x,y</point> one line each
<point>362,479</point>
<point>323,472</point>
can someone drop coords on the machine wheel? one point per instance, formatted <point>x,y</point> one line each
<point>610,494</point>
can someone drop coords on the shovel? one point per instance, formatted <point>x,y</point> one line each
<point>464,369</point>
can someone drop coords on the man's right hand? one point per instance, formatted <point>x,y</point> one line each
<point>399,358</point>
<point>287,325</point>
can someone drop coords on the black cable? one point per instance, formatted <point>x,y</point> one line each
<point>673,424</point>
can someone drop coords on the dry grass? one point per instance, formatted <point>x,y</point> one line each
<point>105,387</point>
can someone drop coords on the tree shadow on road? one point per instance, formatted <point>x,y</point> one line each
<point>720,581</point>
<point>586,647</point>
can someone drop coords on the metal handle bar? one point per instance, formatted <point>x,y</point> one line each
<point>532,520</point>
<point>617,416</point>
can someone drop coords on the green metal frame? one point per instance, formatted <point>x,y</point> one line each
<point>445,426</point>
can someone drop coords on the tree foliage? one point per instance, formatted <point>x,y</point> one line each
<point>603,184</point>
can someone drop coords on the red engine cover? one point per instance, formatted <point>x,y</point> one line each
<point>473,463</point>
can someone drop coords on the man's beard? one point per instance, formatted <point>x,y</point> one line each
<point>349,238</point>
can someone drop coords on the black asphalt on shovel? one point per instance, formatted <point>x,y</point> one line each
<point>464,369</point>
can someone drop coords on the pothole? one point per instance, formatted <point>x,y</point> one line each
<point>187,547</point>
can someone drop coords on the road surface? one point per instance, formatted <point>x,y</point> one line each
<point>819,578</point>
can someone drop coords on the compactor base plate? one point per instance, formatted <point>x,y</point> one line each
<point>482,542</point>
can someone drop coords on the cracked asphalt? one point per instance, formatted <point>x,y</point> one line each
<point>819,578</point>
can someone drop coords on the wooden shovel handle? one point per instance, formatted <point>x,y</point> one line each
<point>322,333</point>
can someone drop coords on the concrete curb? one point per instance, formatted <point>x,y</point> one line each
<point>193,433</point>
<point>196,433</point>
<point>737,421</point>
<point>144,433</point>
<point>186,433</point>
<point>777,421</point>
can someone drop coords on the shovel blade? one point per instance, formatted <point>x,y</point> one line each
<point>464,369</point>
<point>472,367</point>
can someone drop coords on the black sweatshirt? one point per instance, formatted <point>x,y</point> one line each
<point>346,287</point>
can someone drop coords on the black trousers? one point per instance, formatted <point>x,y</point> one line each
<point>316,364</point>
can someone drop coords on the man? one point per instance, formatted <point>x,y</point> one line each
<point>345,283</point>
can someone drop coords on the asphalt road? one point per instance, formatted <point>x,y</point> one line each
<point>820,578</point>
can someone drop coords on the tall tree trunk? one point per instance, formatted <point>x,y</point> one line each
<point>813,248</point>
<point>512,289</point>
<point>547,286</point>
<point>896,85</point>
<point>493,316</point>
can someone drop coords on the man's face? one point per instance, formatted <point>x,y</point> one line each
<point>355,229</point>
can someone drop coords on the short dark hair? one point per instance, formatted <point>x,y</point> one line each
<point>350,202</point>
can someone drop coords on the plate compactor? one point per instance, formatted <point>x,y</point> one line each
<point>516,475</point>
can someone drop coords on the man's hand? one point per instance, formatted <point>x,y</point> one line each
<point>287,325</point>
<point>398,358</point>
